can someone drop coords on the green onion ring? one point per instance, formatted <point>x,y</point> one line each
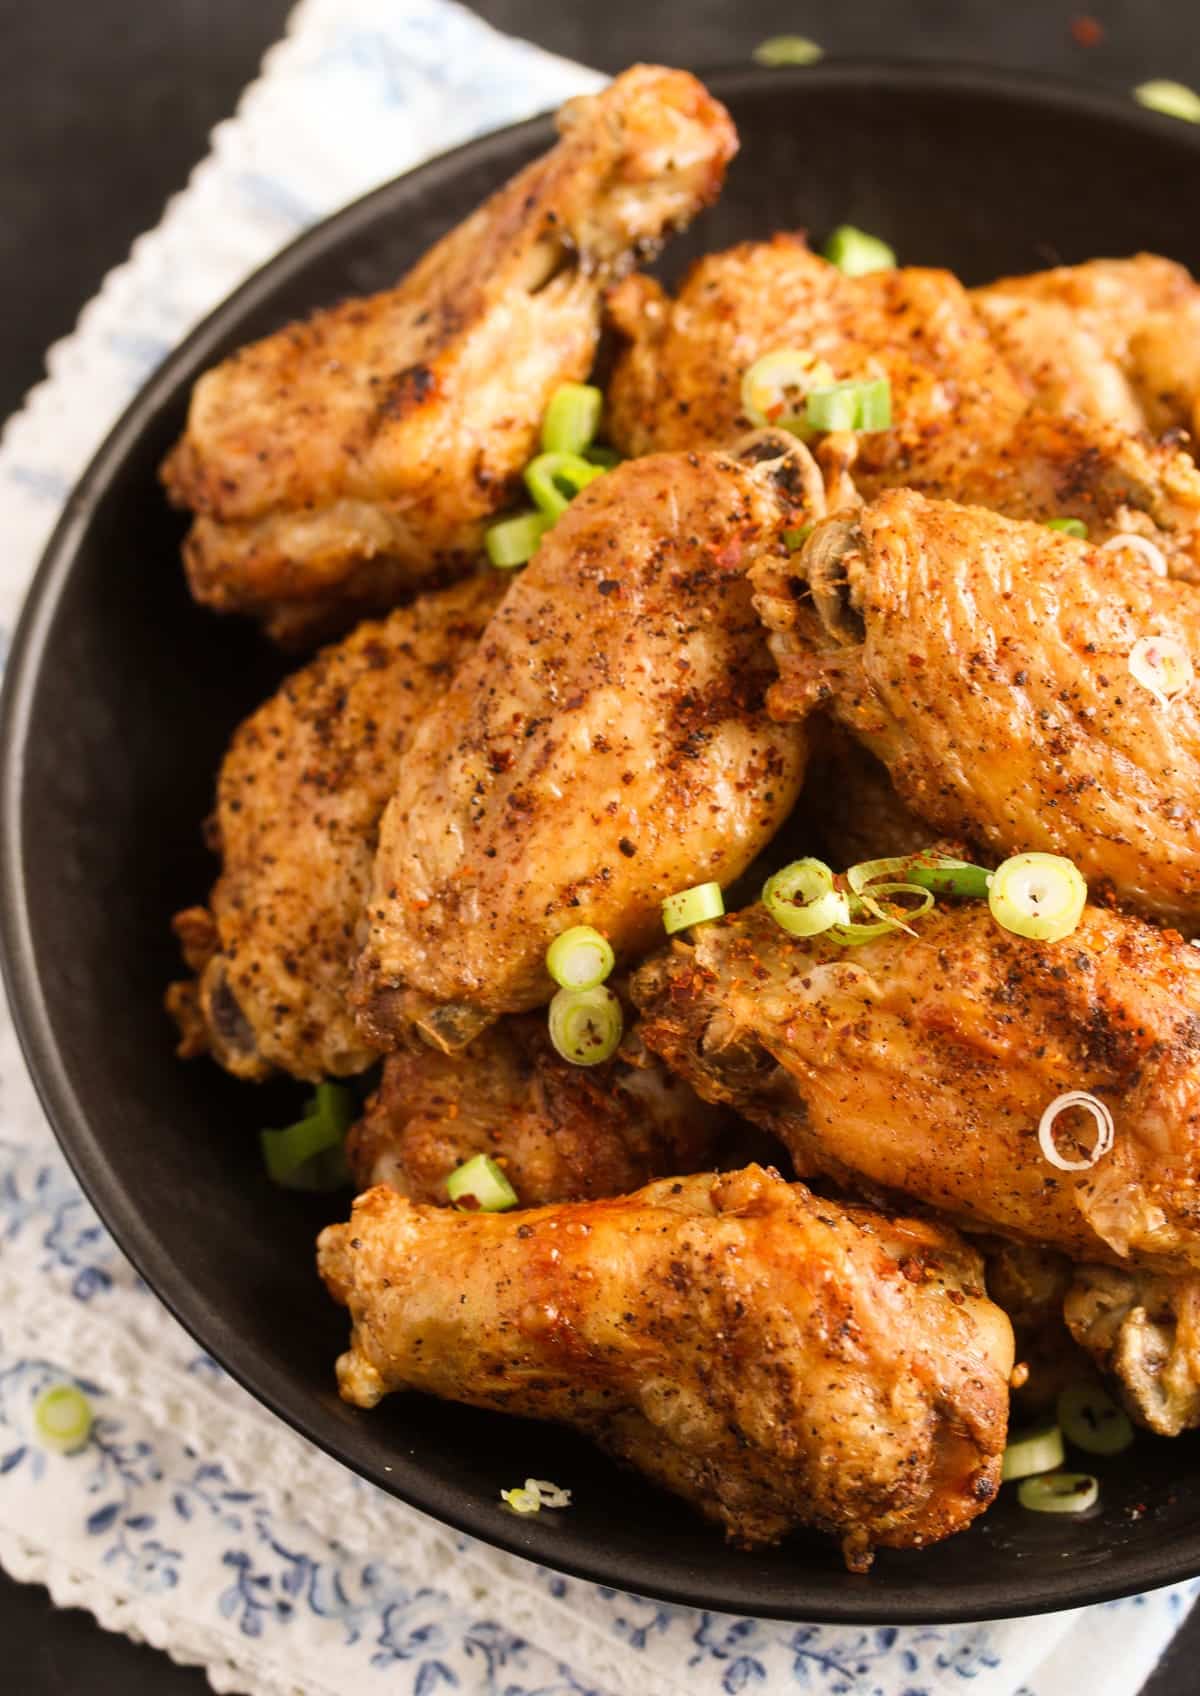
<point>1030,1452</point>
<point>62,1418</point>
<point>514,541</point>
<point>546,475</point>
<point>857,254</point>
<point>586,1024</point>
<point>695,906</point>
<point>482,1182</point>
<point>580,958</point>
<point>571,419</point>
<point>802,899</point>
<point>1059,1492</point>
<point>1093,1421</point>
<point>1040,896</point>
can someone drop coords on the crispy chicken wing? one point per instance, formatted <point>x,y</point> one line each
<point>775,1359</point>
<point>339,461</point>
<point>607,746</point>
<point>1115,339</point>
<point>987,664</point>
<point>1143,1330</point>
<point>921,1065</point>
<point>561,1132</point>
<point>299,800</point>
<point>963,426</point>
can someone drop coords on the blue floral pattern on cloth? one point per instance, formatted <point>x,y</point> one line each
<point>192,1518</point>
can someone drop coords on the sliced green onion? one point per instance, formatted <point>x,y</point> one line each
<point>586,1024</point>
<point>1162,665</point>
<point>775,386</point>
<point>1068,526</point>
<point>693,906</point>
<point>522,1501</point>
<point>863,406</point>
<point>802,900</point>
<point>605,458</point>
<point>481,1185</point>
<point>1128,541</point>
<point>794,539</point>
<point>550,1495</point>
<point>856,253</point>
<point>857,930</point>
<point>580,958</point>
<point>1041,896</point>
<point>1093,1421</point>
<point>788,50</point>
<point>309,1155</point>
<point>514,541</point>
<point>1031,1452</point>
<point>945,876</point>
<point>1101,1117</point>
<point>1172,99</point>
<point>570,422</point>
<point>62,1418</point>
<point>554,479</point>
<point>863,880</point>
<point>1059,1492</point>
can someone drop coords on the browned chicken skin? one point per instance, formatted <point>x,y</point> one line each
<point>1142,1330</point>
<point>1114,339</point>
<point>608,745</point>
<point>963,427</point>
<point>775,1359</point>
<point>299,799</point>
<point>986,663</point>
<point>560,1132</point>
<point>921,1065</point>
<point>343,459</point>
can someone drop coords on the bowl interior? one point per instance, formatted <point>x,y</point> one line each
<point>121,696</point>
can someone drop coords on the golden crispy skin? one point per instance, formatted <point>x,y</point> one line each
<point>1114,339</point>
<point>561,1132</point>
<point>963,426</point>
<point>922,1065</point>
<point>986,663</point>
<point>775,1359</point>
<point>299,799</point>
<point>345,458</point>
<point>1143,1330</point>
<point>605,747</point>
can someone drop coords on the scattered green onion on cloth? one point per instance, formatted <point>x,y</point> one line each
<point>189,1516</point>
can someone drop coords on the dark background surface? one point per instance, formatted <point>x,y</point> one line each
<point>105,105</point>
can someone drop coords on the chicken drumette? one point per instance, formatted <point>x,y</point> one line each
<point>922,1065</point>
<point>299,800</point>
<point>560,1132</point>
<point>776,1359</point>
<point>345,458</point>
<point>988,665</point>
<point>608,745</point>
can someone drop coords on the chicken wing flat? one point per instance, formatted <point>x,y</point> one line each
<point>299,800</point>
<point>1114,339</point>
<point>608,745</point>
<point>921,1065</point>
<point>987,664</point>
<point>344,459</point>
<point>1143,1331</point>
<point>561,1132</point>
<point>775,1359</point>
<point>963,425</point>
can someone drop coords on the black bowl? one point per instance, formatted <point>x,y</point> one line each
<point>120,697</point>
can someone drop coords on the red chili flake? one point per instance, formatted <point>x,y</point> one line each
<point>1086,31</point>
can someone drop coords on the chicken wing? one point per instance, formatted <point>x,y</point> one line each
<point>342,460</point>
<point>561,1132</point>
<point>1115,339</point>
<point>963,425</point>
<point>607,746</point>
<point>775,1359</point>
<point>299,800</point>
<point>921,1065</point>
<point>1143,1331</point>
<point>987,664</point>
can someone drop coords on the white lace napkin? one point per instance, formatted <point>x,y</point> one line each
<point>194,1519</point>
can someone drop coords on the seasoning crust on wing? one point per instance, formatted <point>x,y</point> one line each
<point>560,1132</point>
<point>921,1065</point>
<point>299,799</point>
<point>346,458</point>
<point>775,1359</point>
<point>606,746</point>
<point>987,664</point>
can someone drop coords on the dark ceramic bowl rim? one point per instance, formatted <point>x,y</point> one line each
<point>1132,1571</point>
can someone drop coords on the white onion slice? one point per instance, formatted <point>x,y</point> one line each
<point>1162,665</point>
<point>1104,1130</point>
<point>1129,539</point>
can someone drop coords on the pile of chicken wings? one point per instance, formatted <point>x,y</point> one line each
<point>735,646</point>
